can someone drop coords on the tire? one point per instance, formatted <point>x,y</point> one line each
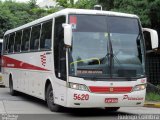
<point>50,100</point>
<point>12,91</point>
<point>112,109</point>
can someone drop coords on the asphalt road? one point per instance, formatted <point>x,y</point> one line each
<point>24,107</point>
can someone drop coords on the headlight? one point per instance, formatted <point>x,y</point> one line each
<point>139,87</point>
<point>78,86</point>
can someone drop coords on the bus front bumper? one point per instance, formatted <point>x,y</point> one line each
<point>85,99</point>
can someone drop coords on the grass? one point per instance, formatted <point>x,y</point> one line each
<point>153,97</point>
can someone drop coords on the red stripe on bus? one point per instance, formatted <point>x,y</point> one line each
<point>13,63</point>
<point>110,89</point>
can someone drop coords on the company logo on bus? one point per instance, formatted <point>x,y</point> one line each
<point>43,59</point>
<point>126,97</point>
<point>111,89</point>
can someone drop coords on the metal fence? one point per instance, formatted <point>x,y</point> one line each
<point>153,68</point>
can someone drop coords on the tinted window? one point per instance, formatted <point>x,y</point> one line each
<point>123,25</point>
<point>99,23</point>
<point>17,41</point>
<point>5,48</point>
<point>59,49</point>
<point>45,41</point>
<point>35,34</point>
<point>0,47</point>
<point>25,39</point>
<point>81,23</point>
<point>11,43</point>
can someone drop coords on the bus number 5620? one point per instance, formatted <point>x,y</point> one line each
<point>80,96</point>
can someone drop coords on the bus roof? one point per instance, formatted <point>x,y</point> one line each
<point>71,11</point>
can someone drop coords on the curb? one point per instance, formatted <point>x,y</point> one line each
<point>153,105</point>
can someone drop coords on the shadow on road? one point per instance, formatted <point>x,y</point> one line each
<point>93,112</point>
<point>72,112</point>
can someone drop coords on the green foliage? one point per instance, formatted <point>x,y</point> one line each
<point>64,3</point>
<point>32,4</point>
<point>147,10</point>
<point>14,14</point>
<point>85,4</point>
<point>138,7</point>
<point>81,4</point>
<point>152,96</point>
<point>107,4</point>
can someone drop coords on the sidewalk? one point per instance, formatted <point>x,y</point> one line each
<point>152,104</point>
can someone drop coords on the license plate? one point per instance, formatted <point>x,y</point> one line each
<point>111,100</point>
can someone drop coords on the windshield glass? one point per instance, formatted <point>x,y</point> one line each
<point>105,46</point>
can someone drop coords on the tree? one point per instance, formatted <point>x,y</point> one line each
<point>14,14</point>
<point>64,3</point>
<point>33,4</point>
<point>106,4</point>
<point>83,4</point>
<point>138,7</point>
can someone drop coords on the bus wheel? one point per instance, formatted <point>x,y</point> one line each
<point>111,109</point>
<point>50,100</point>
<point>12,91</point>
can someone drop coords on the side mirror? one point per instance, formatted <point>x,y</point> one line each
<point>67,34</point>
<point>151,38</point>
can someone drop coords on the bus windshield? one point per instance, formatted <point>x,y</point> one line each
<point>106,47</point>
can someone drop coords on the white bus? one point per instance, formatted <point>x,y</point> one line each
<point>1,82</point>
<point>78,59</point>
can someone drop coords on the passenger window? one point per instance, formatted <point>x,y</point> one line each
<point>59,49</point>
<point>17,44</point>
<point>25,39</point>
<point>35,34</point>
<point>5,47</point>
<point>11,43</point>
<point>45,40</point>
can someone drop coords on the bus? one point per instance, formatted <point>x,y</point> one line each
<point>1,82</point>
<point>78,58</point>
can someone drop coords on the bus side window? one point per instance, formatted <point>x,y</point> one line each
<point>25,39</point>
<point>35,34</point>
<point>5,45</point>
<point>46,34</point>
<point>11,43</point>
<point>59,49</point>
<point>17,41</point>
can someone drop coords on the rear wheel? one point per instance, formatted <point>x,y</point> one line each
<point>50,100</point>
<point>12,91</point>
<point>111,109</point>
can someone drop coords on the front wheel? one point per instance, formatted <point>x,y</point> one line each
<point>50,100</point>
<point>112,109</point>
<point>12,91</point>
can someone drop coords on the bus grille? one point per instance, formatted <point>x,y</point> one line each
<point>97,89</point>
